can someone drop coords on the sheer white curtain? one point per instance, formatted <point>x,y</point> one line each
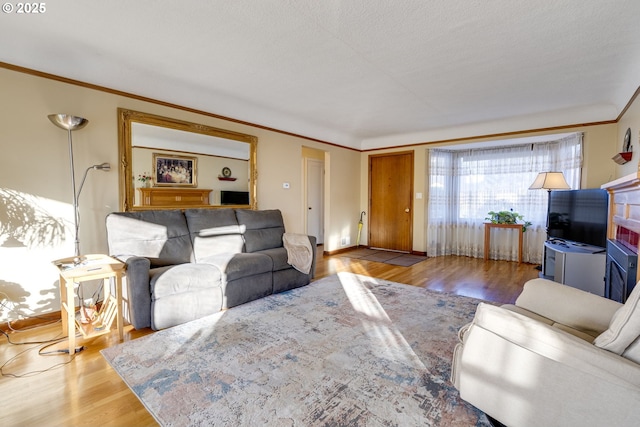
<point>464,186</point>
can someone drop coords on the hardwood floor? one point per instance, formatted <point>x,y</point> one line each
<point>55,390</point>
<point>498,281</point>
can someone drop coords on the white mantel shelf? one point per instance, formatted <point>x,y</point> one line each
<point>628,181</point>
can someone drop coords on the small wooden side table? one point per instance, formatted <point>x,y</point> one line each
<point>93,267</point>
<point>487,237</point>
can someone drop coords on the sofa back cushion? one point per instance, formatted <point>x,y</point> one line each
<point>214,232</point>
<point>161,236</point>
<point>263,229</point>
<point>625,326</point>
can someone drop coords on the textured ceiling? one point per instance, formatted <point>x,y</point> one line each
<point>363,74</point>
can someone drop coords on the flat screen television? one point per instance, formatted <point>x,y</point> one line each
<point>234,197</point>
<point>579,216</point>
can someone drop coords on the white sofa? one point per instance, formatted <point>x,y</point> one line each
<point>558,357</point>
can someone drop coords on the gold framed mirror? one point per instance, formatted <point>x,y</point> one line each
<point>167,163</point>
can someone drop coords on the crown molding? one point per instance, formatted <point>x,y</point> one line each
<point>91,86</point>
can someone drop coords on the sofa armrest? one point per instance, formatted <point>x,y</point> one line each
<point>557,345</point>
<point>567,305</point>
<point>314,250</point>
<point>526,373</point>
<point>138,290</point>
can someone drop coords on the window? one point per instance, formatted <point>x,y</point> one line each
<point>464,185</point>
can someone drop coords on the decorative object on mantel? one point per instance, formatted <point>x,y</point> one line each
<point>507,217</point>
<point>145,179</point>
<point>626,154</point>
<point>226,175</point>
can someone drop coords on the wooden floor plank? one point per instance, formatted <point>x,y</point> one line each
<point>86,391</point>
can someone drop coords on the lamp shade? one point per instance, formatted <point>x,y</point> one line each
<point>550,181</point>
<point>67,121</point>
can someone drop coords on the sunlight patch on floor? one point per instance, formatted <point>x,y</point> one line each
<point>375,321</point>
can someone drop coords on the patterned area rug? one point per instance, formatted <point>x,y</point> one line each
<point>346,350</point>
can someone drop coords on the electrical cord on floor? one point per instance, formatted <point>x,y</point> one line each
<point>31,373</point>
<point>53,340</point>
<point>57,352</point>
<point>35,345</point>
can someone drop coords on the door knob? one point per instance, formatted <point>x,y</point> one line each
<point>406,210</point>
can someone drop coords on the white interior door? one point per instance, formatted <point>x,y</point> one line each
<point>315,200</point>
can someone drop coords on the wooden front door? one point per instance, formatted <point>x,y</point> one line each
<point>391,201</point>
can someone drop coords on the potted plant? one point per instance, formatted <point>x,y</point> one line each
<point>508,217</point>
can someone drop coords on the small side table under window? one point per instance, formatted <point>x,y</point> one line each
<point>93,267</point>
<point>487,237</point>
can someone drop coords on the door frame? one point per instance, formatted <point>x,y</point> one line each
<point>410,172</point>
<point>307,160</point>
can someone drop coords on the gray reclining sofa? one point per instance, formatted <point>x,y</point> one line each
<point>183,265</point>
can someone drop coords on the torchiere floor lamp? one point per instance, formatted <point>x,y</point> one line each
<point>71,123</point>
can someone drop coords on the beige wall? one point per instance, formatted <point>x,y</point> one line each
<point>630,120</point>
<point>598,168</point>
<point>36,168</point>
<point>35,176</point>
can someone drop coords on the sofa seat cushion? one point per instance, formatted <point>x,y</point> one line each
<point>184,292</point>
<point>180,278</point>
<point>588,336</point>
<point>529,314</point>
<point>236,266</point>
<point>586,312</point>
<point>278,257</point>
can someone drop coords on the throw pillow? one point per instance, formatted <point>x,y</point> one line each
<point>624,327</point>
<point>633,351</point>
